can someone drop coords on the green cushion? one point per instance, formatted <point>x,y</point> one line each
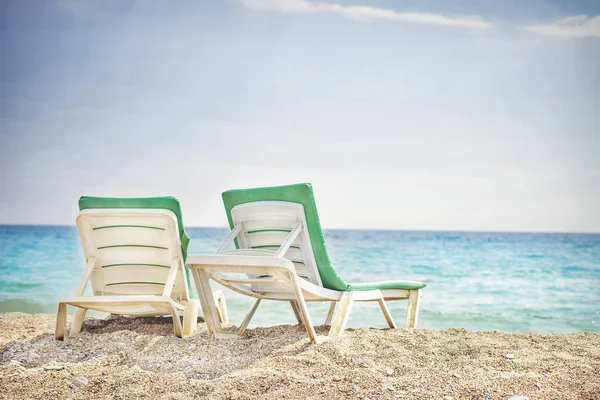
<point>302,194</point>
<point>386,285</point>
<point>162,203</point>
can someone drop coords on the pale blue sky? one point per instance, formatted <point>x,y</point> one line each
<point>417,114</point>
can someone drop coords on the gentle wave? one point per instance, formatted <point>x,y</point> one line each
<point>16,286</point>
<point>26,306</point>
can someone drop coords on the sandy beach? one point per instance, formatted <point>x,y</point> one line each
<point>129,358</point>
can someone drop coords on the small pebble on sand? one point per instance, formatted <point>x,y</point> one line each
<point>510,356</point>
<point>336,378</point>
<point>389,388</point>
<point>538,385</point>
<point>448,398</point>
<point>80,381</point>
<point>53,367</point>
<point>389,372</point>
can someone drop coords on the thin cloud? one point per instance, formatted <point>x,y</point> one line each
<point>575,26</point>
<point>364,13</point>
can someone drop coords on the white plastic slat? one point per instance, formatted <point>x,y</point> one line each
<point>130,235</point>
<point>303,272</point>
<point>127,273</point>
<point>272,288</point>
<point>253,223</point>
<point>151,221</point>
<point>115,276</point>
<point>142,289</point>
<point>134,289</point>
<point>133,255</point>
<point>250,252</point>
<point>130,309</point>
<point>268,238</point>
<point>294,254</point>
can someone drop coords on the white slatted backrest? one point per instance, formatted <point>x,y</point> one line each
<point>266,224</point>
<point>134,249</point>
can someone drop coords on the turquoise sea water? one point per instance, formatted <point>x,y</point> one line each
<point>542,282</point>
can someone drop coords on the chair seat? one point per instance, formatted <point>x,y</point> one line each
<point>408,285</point>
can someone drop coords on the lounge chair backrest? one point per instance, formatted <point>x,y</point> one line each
<point>134,250</point>
<point>302,194</point>
<point>265,225</point>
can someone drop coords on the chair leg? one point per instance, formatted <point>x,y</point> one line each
<point>342,314</point>
<point>177,328</point>
<point>211,316</point>
<point>77,322</point>
<point>190,317</point>
<point>303,310</point>
<point>330,313</point>
<point>219,299</point>
<point>248,317</point>
<point>223,308</point>
<point>61,322</point>
<point>294,305</point>
<point>386,313</point>
<point>412,315</point>
<point>310,329</point>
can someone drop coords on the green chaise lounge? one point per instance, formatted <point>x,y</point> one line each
<point>280,255</point>
<point>135,251</point>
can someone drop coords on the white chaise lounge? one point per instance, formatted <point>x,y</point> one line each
<point>280,255</point>
<point>135,250</point>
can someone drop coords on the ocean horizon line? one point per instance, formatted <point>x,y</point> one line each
<point>356,229</point>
